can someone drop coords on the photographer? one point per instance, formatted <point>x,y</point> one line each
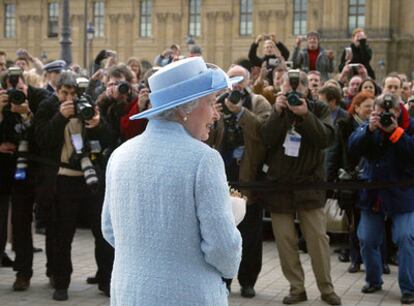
<point>296,135</point>
<point>168,56</point>
<point>313,57</point>
<point>358,52</point>
<point>243,154</point>
<point>71,134</point>
<point>19,103</point>
<point>120,101</point>
<point>387,147</point>
<point>274,53</point>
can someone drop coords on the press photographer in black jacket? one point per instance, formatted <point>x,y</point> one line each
<point>71,135</point>
<point>20,102</point>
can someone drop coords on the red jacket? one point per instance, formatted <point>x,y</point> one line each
<point>132,128</point>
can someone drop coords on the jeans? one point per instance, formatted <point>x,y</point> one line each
<point>371,236</point>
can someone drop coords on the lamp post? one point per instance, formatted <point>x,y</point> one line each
<point>66,41</point>
<point>90,34</point>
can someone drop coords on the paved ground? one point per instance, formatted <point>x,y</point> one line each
<point>271,286</point>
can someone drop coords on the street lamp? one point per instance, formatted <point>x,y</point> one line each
<point>90,34</point>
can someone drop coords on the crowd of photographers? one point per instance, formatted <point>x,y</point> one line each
<point>294,119</point>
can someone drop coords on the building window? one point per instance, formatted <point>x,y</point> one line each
<point>10,21</point>
<point>299,17</point>
<point>246,14</point>
<point>99,18</point>
<point>194,25</point>
<point>356,14</point>
<point>145,18</point>
<point>52,19</point>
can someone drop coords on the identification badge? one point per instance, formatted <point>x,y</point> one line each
<point>292,143</point>
<point>95,146</point>
<point>77,142</point>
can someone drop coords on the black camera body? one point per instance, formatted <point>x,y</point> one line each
<point>294,97</point>
<point>84,109</point>
<point>123,88</point>
<point>16,96</point>
<point>386,116</point>
<point>234,97</point>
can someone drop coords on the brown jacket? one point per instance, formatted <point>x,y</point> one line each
<point>317,134</point>
<point>254,149</point>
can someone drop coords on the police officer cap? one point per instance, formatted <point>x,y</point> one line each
<point>55,66</point>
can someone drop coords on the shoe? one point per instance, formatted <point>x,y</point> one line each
<point>247,292</point>
<point>295,298</point>
<point>92,280</point>
<point>386,269</point>
<point>407,298</point>
<point>331,298</point>
<point>60,295</point>
<point>21,283</point>
<point>371,289</point>
<point>106,289</point>
<point>6,261</point>
<point>354,268</point>
<point>343,257</point>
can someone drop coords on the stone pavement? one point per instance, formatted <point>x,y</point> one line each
<point>271,286</point>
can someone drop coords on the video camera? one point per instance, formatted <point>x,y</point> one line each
<point>84,107</point>
<point>294,97</point>
<point>386,116</point>
<point>16,96</point>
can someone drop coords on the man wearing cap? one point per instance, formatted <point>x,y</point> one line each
<point>313,57</point>
<point>53,70</point>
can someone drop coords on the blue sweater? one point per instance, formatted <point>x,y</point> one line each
<point>167,212</point>
<point>387,162</point>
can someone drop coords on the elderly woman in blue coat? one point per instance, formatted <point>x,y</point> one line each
<point>167,208</point>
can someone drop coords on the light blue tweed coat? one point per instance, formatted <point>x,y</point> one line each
<point>167,212</point>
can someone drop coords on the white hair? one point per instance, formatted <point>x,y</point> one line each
<point>172,114</point>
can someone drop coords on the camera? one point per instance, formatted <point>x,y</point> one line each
<point>234,97</point>
<point>123,88</point>
<point>84,109</point>
<point>294,97</point>
<point>89,172</point>
<point>354,69</point>
<point>386,116</point>
<point>16,96</point>
<point>273,62</point>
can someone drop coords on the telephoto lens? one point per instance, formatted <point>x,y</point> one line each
<point>21,164</point>
<point>89,171</point>
<point>123,88</point>
<point>16,97</point>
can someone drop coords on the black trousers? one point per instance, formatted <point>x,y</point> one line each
<point>251,230</point>
<point>22,200</point>
<point>4,214</point>
<point>72,196</point>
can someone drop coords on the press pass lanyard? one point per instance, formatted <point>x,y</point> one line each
<point>292,142</point>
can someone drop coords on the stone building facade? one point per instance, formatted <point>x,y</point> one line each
<point>388,23</point>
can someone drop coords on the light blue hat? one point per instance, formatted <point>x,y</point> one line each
<point>182,82</point>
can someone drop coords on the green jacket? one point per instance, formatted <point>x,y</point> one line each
<point>317,133</point>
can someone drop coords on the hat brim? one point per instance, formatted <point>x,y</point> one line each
<point>154,111</point>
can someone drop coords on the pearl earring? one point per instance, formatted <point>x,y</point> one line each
<point>185,118</point>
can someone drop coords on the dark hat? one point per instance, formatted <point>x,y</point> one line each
<point>55,66</point>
